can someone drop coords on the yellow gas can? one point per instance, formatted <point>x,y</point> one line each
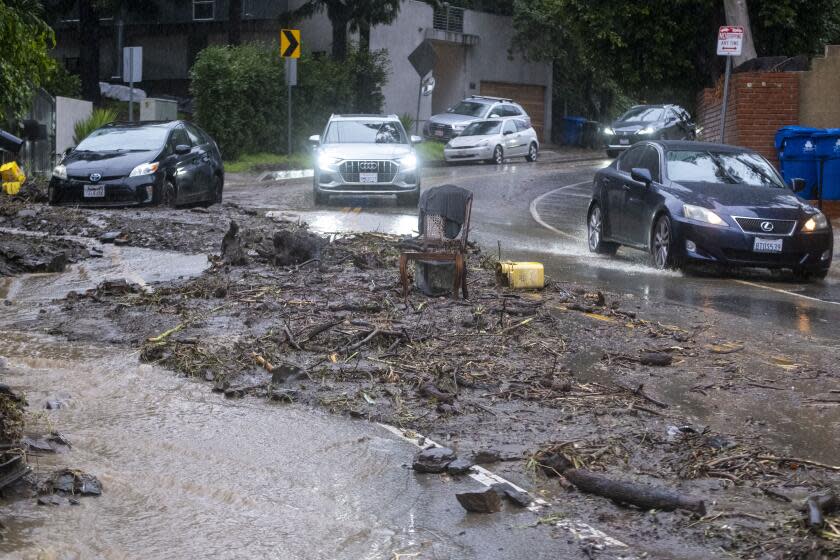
<point>11,173</point>
<point>520,275</point>
<point>11,187</point>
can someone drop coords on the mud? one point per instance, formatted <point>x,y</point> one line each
<point>506,377</point>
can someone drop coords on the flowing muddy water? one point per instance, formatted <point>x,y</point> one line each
<point>190,474</point>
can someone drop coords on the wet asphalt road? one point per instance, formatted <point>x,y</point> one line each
<point>537,212</point>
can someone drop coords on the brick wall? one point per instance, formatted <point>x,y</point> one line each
<point>760,103</point>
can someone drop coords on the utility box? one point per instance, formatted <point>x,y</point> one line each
<point>152,109</point>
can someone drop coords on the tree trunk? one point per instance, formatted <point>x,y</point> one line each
<point>738,14</point>
<point>89,50</point>
<point>234,22</point>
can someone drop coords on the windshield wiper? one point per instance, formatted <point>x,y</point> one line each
<point>722,168</point>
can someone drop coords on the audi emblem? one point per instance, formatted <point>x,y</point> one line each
<point>368,166</point>
<point>95,177</point>
<point>767,226</point>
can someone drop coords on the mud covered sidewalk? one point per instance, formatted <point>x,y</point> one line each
<point>516,381</point>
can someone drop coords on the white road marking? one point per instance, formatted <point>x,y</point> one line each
<point>582,531</point>
<point>536,215</point>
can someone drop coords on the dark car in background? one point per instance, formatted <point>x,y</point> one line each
<point>127,164</point>
<point>649,122</point>
<point>706,203</point>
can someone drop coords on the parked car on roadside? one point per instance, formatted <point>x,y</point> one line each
<point>125,164</point>
<point>450,124</point>
<point>649,122</point>
<point>366,155</point>
<point>695,202</point>
<point>494,140</point>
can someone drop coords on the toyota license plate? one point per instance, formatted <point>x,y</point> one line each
<point>624,141</point>
<point>767,245</point>
<point>94,191</point>
<point>367,177</point>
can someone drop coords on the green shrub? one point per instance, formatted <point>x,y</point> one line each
<point>240,97</point>
<point>97,119</point>
<point>430,151</point>
<point>63,83</point>
<point>407,122</point>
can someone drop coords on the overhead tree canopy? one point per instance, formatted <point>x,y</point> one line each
<point>25,64</point>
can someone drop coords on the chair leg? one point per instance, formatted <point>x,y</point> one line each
<point>459,272</point>
<point>464,282</point>
<point>404,274</point>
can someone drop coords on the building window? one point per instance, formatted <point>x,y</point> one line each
<point>204,10</point>
<point>449,18</point>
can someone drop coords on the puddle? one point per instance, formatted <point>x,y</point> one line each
<point>286,175</point>
<point>353,220</point>
<point>134,264</point>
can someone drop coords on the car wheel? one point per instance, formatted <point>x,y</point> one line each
<point>807,275</point>
<point>218,189</point>
<point>595,233</point>
<point>52,195</point>
<point>169,197</point>
<point>612,154</point>
<point>411,199</point>
<point>533,152</point>
<point>662,244</point>
<point>498,156</point>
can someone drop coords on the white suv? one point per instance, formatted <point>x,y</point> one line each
<point>450,124</point>
<point>366,155</point>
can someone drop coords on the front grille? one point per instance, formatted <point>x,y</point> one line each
<point>385,170</point>
<point>763,259</point>
<point>445,130</point>
<point>753,225</point>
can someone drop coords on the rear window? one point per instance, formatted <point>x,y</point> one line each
<point>731,168</point>
<point>128,139</point>
<point>365,132</point>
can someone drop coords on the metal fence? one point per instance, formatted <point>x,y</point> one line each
<point>449,18</point>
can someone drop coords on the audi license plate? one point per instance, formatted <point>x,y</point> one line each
<point>767,245</point>
<point>624,141</point>
<point>368,177</point>
<point>94,191</point>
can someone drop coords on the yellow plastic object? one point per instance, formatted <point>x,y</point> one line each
<point>11,187</point>
<point>521,275</point>
<point>11,173</point>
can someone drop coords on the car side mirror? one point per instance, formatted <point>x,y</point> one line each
<point>416,139</point>
<point>182,149</point>
<point>494,116</point>
<point>798,185</point>
<point>641,175</point>
<point>315,139</point>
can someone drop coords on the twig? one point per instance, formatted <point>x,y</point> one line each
<point>834,468</point>
<point>291,338</point>
<point>365,340</point>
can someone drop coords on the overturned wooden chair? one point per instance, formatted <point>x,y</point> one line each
<point>444,225</point>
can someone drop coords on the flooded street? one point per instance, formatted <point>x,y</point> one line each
<point>189,474</point>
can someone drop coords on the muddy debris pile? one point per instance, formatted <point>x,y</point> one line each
<point>27,253</point>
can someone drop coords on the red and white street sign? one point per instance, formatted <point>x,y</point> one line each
<point>730,40</point>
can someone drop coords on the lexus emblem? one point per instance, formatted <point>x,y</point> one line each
<point>95,177</point>
<point>766,226</point>
<point>368,166</point>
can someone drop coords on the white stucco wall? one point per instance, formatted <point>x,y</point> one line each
<point>67,113</point>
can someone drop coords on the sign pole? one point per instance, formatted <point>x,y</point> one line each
<point>290,50</point>
<point>289,63</point>
<point>131,88</point>
<point>417,120</point>
<point>725,100</point>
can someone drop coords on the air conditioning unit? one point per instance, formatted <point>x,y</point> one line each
<point>158,109</point>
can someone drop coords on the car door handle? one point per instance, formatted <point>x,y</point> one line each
<point>626,187</point>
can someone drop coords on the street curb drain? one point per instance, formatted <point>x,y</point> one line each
<point>583,532</point>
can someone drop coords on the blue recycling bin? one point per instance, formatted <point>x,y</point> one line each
<point>573,130</point>
<point>798,157</point>
<point>828,152</point>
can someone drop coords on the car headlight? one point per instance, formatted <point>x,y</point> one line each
<point>144,169</point>
<point>817,222</point>
<point>60,172</point>
<point>702,215</point>
<point>647,130</point>
<point>327,163</point>
<point>458,127</point>
<point>407,163</point>
<point>608,131</point>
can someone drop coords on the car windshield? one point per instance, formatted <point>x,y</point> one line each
<point>470,108</point>
<point>365,132</point>
<point>482,128</point>
<point>731,168</point>
<point>146,138</point>
<point>643,114</point>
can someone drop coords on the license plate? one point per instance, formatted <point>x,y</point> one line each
<point>767,245</point>
<point>624,141</point>
<point>368,177</point>
<point>94,191</point>
<point>438,133</point>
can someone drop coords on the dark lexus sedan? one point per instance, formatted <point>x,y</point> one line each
<point>706,203</point>
<point>124,164</point>
<point>648,122</point>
